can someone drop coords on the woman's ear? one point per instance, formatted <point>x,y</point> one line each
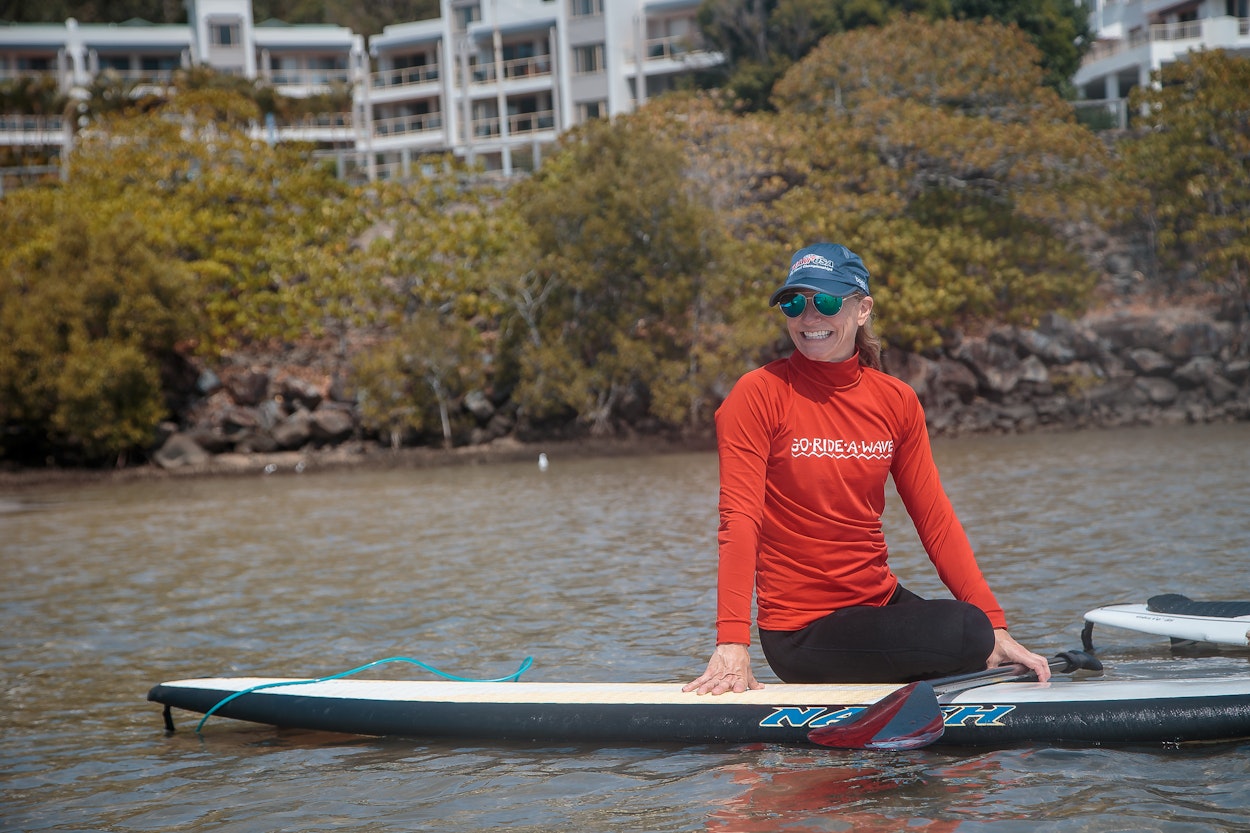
<point>864,312</point>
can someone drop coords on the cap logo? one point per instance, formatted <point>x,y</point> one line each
<point>813,260</point>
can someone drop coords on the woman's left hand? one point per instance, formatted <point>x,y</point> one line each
<point>1008,650</point>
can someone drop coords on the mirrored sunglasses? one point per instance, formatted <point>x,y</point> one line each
<point>826,304</point>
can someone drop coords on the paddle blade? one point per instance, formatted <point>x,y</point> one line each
<point>906,719</point>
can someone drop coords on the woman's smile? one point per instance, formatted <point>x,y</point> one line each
<point>829,338</point>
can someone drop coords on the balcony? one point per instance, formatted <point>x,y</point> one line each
<point>317,128</point>
<point>519,124</point>
<point>15,74</point>
<point>516,68</point>
<point>407,125</point>
<point>1163,33</point>
<point>308,77</point>
<point>531,122</point>
<point>670,48</point>
<point>31,130</point>
<point>406,77</point>
<point>139,76</point>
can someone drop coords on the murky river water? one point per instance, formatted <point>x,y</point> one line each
<point>600,569</point>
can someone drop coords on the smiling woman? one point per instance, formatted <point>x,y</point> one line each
<point>806,445</point>
<point>827,306</point>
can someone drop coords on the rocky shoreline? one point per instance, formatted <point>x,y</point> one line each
<point>1166,364</point>
<point>1141,364</point>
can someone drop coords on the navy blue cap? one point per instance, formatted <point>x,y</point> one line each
<point>825,267</point>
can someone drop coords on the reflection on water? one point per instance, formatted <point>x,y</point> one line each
<point>601,570</point>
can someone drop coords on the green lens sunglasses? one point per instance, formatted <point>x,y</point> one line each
<point>826,304</point>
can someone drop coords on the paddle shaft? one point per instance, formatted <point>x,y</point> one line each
<point>1013,672</point>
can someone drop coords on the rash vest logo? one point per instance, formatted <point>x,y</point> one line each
<point>842,449</point>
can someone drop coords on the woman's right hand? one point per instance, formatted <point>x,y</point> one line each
<point>729,669</point>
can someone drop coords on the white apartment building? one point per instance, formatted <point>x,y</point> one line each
<point>494,81</point>
<point>1134,38</point>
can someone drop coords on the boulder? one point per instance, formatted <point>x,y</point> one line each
<point>331,424</point>
<point>293,432</point>
<point>180,450</point>
<point>246,386</point>
<point>477,403</point>
<point>1157,391</point>
<point>1147,362</point>
<point>995,365</point>
<point>1196,372</point>
<point>1051,349</point>
<point>957,378</point>
<point>300,393</point>
<point>918,372</point>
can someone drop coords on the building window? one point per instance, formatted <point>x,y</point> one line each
<point>464,15</point>
<point>587,59</point>
<point>224,33</point>
<point>585,8</point>
<point>587,110</point>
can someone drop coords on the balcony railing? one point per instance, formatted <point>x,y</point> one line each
<point>317,120</point>
<point>670,48</point>
<point>143,76</point>
<point>34,125</point>
<point>516,68</point>
<point>406,77</point>
<point>308,77</point>
<point>1156,33</point>
<point>1188,30</point>
<point>531,122</point>
<point>14,74</point>
<point>402,125</point>
<point>486,127</point>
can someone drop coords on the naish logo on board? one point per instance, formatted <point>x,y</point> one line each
<point>813,717</point>
<point>841,449</point>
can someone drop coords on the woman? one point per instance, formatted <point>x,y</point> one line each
<point>805,445</point>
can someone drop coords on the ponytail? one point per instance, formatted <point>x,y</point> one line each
<point>868,345</point>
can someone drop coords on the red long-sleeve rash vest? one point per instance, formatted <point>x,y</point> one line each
<point>805,448</point>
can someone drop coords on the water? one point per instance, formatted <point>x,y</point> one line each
<point>602,570</point>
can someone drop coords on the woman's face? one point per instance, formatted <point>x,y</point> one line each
<point>829,338</point>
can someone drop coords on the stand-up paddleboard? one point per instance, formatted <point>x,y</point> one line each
<point>1088,711</point>
<point>1177,617</point>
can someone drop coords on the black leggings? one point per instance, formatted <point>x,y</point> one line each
<point>909,638</point>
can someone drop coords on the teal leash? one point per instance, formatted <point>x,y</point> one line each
<point>513,677</point>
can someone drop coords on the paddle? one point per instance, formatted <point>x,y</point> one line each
<point>911,717</point>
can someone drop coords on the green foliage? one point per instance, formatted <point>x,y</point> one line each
<point>621,243</point>
<point>35,95</point>
<point>90,310</point>
<point>108,400</point>
<point>762,39</point>
<point>949,167</point>
<point>427,240</point>
<point>259,227</point>
<point>413,380</point>
<point>1190,154</point>
<point>1058,28</point>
